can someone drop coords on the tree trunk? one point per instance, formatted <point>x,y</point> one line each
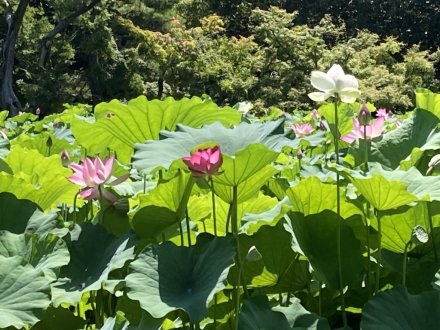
<point>9,100</point>
<point>46,41</point>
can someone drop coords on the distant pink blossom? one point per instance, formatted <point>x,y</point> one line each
<point>315,114</point>
<point>384,113</point>
<point>92,174</point>
<point>204,161</point>
<point>398,123</point>
<point>302,129</point>
<point>372,131</point>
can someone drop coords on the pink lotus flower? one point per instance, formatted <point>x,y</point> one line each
<point>384,113</point>
<point>92,174</point>
<point>302,129</point>
<point>374,130</point>
<point>204,161</point>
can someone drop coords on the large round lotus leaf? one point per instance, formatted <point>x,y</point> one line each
<point>158,210</point>
<point>59,318</point>
<point>92,257</point>
<point>15,213</point>
<point>396,309</point>
<point>269,262</point>
<point>311,196</point>
<point>119,126</point>
<point>316,235</point>
<point>167,277</point>
<point>161,154</point>
<point>397,225</point>
<point>300,318</point>
<point>256,314</point>
<point>38,178</point>
<point>46,253</point>
<point>24,293</point>
<point>387,190</point>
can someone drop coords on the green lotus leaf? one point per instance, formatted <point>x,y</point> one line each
<point>391,189</point>
<point>40,179</point>
<point>46,253</point>
<point>140,120</point>
<point>247,188</point>
<point>277,268</point>
<point>404,311</point>
<point>200,212</point>
<point>397,225</point>
<point>59,318</point>
<point>166,277</point>
<point>316,235</point>
<point>158,210</point>
<point>252,222</point>
<point>38,142</point>
<point>153,155</point>
<point>345,115</point>
<point>92,257</point>
<point>256,314</point>
<point>24,293</point>
<point>419,131</point>
<point>311,196</point>
<point>301,319</point>
<point>427,100</point>
<point>15,213</point>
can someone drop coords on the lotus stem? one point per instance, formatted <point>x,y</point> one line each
<point>338,211</point>
<point>188,228</point>
<point>228,218</point>
<point>431,229</point>
<point>213,206</point>
<point>182,240</point>
<point>74,207</point>
<point>234,220</point>
<point>366,150</point>
<point>379,252</point>
<point>405,260</point>
<point>145,183</point>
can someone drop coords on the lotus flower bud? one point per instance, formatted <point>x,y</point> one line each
<point>49,142</point>
<point>65,159</point>
<point>204,162</point>
<point>364,116</point>
<point>299,154</point>
<point>37,111</point>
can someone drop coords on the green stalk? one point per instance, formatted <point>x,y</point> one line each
<point>188,228</point>
<point>74,207</point>
<point>405,260</point>
<point>145,183</point>
<point>214,215</point>
<point>234,220</point>
<point>379,252</point>
<point>182,209</point>
<point>101,208</point>
<point>182,240</point>
<point>228,218</point>
<point>338,211</point>
<point>367,149</point>
<point>431,229</point>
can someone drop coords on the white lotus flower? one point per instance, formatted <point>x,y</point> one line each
<point>334,82</point>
